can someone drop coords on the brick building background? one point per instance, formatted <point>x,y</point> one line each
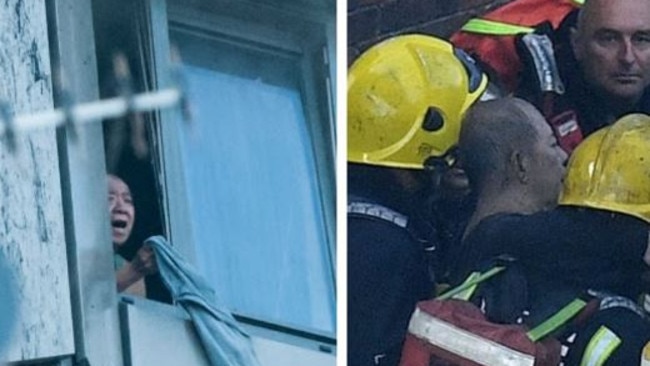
<point>370,21</point>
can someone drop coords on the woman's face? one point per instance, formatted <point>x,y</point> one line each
<point>121,210</point>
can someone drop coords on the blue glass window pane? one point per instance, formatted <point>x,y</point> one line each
<point>254,199</point>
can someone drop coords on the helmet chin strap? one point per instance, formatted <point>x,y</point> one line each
<point>444,162</point>
<point>438,169</point>
<point>436,166</point>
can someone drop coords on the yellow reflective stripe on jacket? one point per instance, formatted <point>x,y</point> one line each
<point>557,320</point>
<point>465,295</point>
<point>600,347</point>
<point>469,283</point>
<point>484,26</point>
<point>493,27</point>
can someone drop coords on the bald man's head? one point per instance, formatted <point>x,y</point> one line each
<point>490,132</point>
<point>507,141</point>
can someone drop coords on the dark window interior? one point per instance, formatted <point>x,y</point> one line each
<point>114,33</point>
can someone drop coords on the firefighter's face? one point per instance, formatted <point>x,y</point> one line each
<point>612,45</point>
<point>121,210</point>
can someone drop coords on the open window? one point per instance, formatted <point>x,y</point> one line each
<point>246,189</point>
<point>257,163</point>
<point>275,232</point>
<point>252,183</point>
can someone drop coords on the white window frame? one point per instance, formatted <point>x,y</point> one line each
<point>94,298</point>
<point>97,333</point>
<point>308,35</point>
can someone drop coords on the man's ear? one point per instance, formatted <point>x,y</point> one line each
<point>520,164</point>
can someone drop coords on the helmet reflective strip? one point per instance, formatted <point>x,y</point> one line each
<point>378,211</point>
<point>600,347</point>
<point>484,26</point>
<point>465,344</point>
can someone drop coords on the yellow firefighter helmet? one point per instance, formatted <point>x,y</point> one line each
<point>406,98</point>
<point>610,170</point>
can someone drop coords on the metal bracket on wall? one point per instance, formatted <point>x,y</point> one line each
<point>72,115</point>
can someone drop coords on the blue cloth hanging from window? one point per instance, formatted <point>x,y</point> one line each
<point>224,341</point>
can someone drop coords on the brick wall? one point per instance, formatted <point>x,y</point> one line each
<point>370,21</point>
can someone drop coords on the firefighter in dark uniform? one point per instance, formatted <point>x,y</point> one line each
<point>406,97</point>
<point>583,69</point>
<point>603,56</point>
<point>595,242</point>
